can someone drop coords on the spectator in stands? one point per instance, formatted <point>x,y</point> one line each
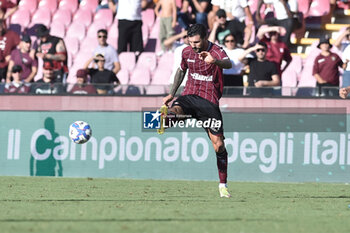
<point>82,87</point>
<point>21,57</point>
<point>52,48</point>
<point>103,79</point>
<point>343,40</point>
<point>233,77</point>
<point>277,50</point>
<point>7,8</point>
<point>198,14</point>
<point>167,20</point>
<point>110,54</point>
<point>17,85</point>
<point>216,5</point>
<point>48,84</point>
<point>238,12</point>
<point>177,40</point>
<point>344,92</point>
<point>8,41</point>
<point>108,4</point>
<point>263,73</point>
<point>222,28</point>
<point>284,11</point>
<point>325,69</point>
<point>346,66</point>
<point>130,25</point>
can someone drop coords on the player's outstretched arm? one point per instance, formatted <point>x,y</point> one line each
<point>179,77</point>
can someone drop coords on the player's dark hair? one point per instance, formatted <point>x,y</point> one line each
<point>197,29</point>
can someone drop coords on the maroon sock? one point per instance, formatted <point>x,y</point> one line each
<point>221,160</point>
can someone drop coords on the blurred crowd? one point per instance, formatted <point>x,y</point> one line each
<point>257,42</point>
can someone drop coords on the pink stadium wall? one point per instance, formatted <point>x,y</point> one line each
<point>109,103</point>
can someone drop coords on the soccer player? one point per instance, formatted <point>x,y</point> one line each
<point>200,97</point>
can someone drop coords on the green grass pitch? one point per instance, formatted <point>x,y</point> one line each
<point>33,204</point>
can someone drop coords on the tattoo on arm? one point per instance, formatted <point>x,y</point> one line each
<point>179,77</point>
<point>61,48</point>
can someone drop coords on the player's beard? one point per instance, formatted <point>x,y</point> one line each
<point>197,50</point>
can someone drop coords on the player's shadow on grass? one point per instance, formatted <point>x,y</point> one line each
<point>42,160</point>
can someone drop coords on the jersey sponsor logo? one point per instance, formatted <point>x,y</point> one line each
<point>202,77</point>
<point>3,43</point>
<point>321,60</point>
<point>190,60</point>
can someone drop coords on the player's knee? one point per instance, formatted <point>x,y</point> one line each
<point>219,146</point>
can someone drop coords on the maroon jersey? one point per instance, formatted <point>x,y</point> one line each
<point>8,42</point>
<point>204,80</point>
<point>277,52</point>
<point>12,87</point>
<point>327,67</point>
<point>83,89</point>
<point>5,4</point>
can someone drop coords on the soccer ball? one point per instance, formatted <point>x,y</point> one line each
<point>80,132</point>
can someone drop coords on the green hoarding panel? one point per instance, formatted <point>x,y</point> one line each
<point>37,143</point>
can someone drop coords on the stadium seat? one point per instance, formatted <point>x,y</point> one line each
<point>113,41</point>
<point>41,16</point>
<point>304,6</point>
<point>58,29</point>
<point>89,44</point>
<point>89,5</point>
<point>83,16</point>
<point>155,90</point>
<point>105,16</point>
<point>21,17</point>
<point>148,17</point>
<point>147,60</point>
<point>123,76</point>
<point>30,5</point>
<point>63,16</point>
<point>69,59</point>
<point>307,82</point>
<point>154,31</point>
<point>50,5</point>
<point>76,30</point>
<point>290,76</point>
<point>153,43</point>
<point>94,27</point>
<point>71,75</point>
<point>113,35</point>
<point>306,78</point>
<point>72,45</point>
<point>319,8</point>
<point>70,5</point>
<point>127,60</point>
<point>253,5</point>
<point>145,34</point>
<point>140,76</point>
<point>81,58</point>
<point>166,61</point>
<point>39,74</point>
<point>134,90</point>
<point>161,76</point>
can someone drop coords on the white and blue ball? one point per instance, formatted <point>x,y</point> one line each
<point>80,132</point>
